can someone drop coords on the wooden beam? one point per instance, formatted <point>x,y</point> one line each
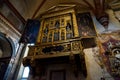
<point>13,9</point>
<point>41,4</point>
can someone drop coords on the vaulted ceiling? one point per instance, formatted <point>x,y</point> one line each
<point>33,8</point>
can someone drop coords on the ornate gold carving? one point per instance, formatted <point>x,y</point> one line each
<point>76,45</point>
<point>57,28</point>
<point>31,51</point>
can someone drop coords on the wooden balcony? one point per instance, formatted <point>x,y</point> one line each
<point>63,48</point>
<point>62,52</point>
<point>56,49</point>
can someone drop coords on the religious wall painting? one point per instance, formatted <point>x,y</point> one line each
<point>85,24</point>
<point>111,54</point>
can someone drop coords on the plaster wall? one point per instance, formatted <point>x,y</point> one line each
<point>94,71</point>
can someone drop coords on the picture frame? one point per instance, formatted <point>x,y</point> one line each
<point>85,24</point>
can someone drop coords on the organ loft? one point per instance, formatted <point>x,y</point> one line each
<point>63,34</point>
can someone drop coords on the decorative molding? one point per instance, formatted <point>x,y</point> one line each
<point>9,25</point>
<point>14,10</point>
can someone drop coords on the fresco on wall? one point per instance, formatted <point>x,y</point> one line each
<point>111,54</point>
<point>85,24</point>
<point>113,26</point>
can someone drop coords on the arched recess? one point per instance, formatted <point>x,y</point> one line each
<point>7,50</point>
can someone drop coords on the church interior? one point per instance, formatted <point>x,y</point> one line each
<point>59,39</point>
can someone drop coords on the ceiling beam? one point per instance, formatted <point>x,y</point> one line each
<point>41,4</point>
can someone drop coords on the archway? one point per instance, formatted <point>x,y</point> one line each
<point>7,49</point>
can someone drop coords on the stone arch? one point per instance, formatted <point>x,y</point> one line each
<point>7,50</point>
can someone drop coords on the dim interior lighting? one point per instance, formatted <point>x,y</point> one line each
<point>26,72</point>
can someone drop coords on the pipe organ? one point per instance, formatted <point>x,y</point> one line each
<point>61,39</point>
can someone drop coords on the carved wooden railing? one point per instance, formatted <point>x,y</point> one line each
<point>46,50</point>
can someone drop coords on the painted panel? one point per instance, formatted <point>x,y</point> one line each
<point>85,24</point>
<point>110,53</point>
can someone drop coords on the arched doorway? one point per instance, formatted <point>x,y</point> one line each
<point>6,52</point>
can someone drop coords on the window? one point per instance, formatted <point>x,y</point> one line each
<point>25,73</point>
